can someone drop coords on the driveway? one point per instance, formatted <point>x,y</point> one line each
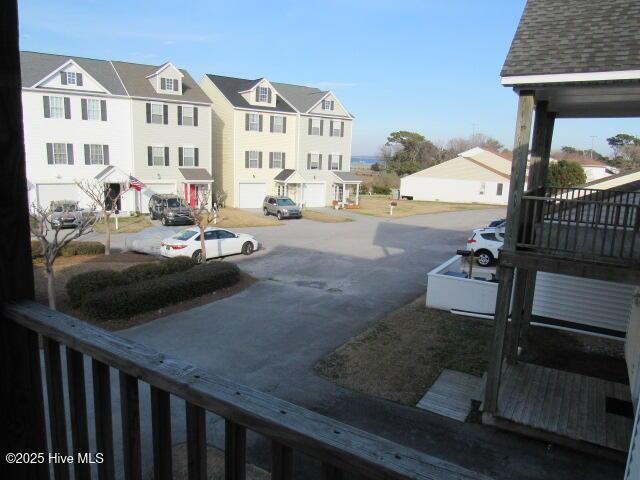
<point>319,285</point>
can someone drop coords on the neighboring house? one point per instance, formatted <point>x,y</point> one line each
<point>628,182</point>
<point>474,176</point>
<point>110,121</point>
<point>275,138</point>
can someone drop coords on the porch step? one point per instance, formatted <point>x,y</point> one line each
<point>451,395</point>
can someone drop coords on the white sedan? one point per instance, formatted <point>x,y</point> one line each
<point>218,243</point>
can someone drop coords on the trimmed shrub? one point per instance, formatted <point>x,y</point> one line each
<point>146,271</point>
<point>71,249</point>
<point>127,300</point>
<point>83,284</point>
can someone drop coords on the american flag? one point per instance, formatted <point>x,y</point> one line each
<point>136,184</point>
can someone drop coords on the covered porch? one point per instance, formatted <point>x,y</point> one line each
<point>196,184</point>
<point>575,232</point>
<point>346,190</point>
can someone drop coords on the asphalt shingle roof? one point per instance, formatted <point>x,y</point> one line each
<point>575,36</point>
<point>134,76</point>
<point>284,174</point>
<point>231,88</point>
<point>36,66</point>
<point>303,98</point>
<point>119,78</point>
<point>195,174</point>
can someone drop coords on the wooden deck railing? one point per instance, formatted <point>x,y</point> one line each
<point>339,447</point>
<point>587,224</point>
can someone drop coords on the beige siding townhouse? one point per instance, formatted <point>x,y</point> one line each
<point>275,138</point>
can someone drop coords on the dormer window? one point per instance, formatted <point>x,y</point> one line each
<point>71,78</point>
<point>327,104</point>
<point>170,84</point>
<point>263,95</point>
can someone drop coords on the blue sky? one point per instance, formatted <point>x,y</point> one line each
<point>431,66</point>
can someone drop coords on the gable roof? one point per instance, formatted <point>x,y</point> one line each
<point>575,36</point>
<point>475,164</point>
<point>629,181</point>
<point>36,66</point>
<point>303,98</point>
<point>134,76</point>
<point>284,174</point>
<point>231,88</point>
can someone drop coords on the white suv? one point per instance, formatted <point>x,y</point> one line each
<point>485,243</point>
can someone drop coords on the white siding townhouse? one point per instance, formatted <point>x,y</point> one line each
<point>109,121</point>
<point>276,138</point>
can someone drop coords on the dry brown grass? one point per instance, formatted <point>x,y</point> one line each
<point>378,205</point>
<point>125,224</point>
<point>402,355</point>
<point>237,218</point>
<point>325,217</point>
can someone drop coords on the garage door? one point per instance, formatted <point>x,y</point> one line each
<point>52,193</point>
<point>251,195</point>
<point>314,195</point>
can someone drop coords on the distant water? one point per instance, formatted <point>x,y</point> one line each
<point>369,160</point>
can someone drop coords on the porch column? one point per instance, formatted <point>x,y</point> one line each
<point>506,272</point>
<point>22,417</point>
<point>357,194</point>
<point>526,279</point>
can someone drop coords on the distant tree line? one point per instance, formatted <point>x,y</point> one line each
<point>407,152</point>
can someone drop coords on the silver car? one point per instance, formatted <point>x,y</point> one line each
<point>65,214</point>
<point>281,207</point>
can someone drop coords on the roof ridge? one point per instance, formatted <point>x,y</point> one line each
<point>487,167</point>
<point>66,56</point>
<point>234,78</point>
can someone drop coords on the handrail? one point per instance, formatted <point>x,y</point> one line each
<point>337,445</point>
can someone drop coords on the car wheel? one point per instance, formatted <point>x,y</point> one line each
<point>484,258</point>
<point>265,211</point>
<point>197,256</point>
<point>163,221</point>
<point>279,215</point>
<point>247,248</point>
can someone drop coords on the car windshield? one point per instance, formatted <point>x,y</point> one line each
<point>65,207</point>
<point>184,235</point>
<point>285,202</point>
<point>174,203</point>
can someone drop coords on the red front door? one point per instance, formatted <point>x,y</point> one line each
<point>191,194</point>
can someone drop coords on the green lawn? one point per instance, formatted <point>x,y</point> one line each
<point>378,205</point>
<point>125,224</point>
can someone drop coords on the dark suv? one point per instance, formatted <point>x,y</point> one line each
<point>170,209</point>
<point>281,207</point>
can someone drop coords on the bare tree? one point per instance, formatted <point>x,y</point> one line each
<point>106,199</point>
<point>49,233</point>
<point>204,213</point>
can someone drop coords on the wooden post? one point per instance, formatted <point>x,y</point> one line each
<point>513,331</point>
<point>22,416</point>
<point>506,272</point>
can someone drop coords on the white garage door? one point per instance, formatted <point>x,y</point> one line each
<point>314,195</point>
<point>52,193</point>
<point>251,195</point>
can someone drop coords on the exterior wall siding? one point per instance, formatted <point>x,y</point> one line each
<point>455,191</point>
<point>114,132</point>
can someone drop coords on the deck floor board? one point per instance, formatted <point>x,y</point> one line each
<point>565,404</point>
<point>451,395</point>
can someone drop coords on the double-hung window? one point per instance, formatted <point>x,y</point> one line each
<point>315,126</point>
<point>334,161</point>
<point>327,104</point>
<point>157,113</point>
<point>499,189</point>
<point>336,128</point>
<point>278,124</point>
<point>254,122</point>
<point>483,187</point>
<point>96,154</point>
<point>56,107</point>
<point>254,159</point>
<point>60,154</point>
<point>94,111</point>
<point>188,157</point>
<point>158,156</point>
<point>187,115</point>
<point>263,94</point>
<point>277,159</point>
<point>169,84</point>
<point>314,163</point>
